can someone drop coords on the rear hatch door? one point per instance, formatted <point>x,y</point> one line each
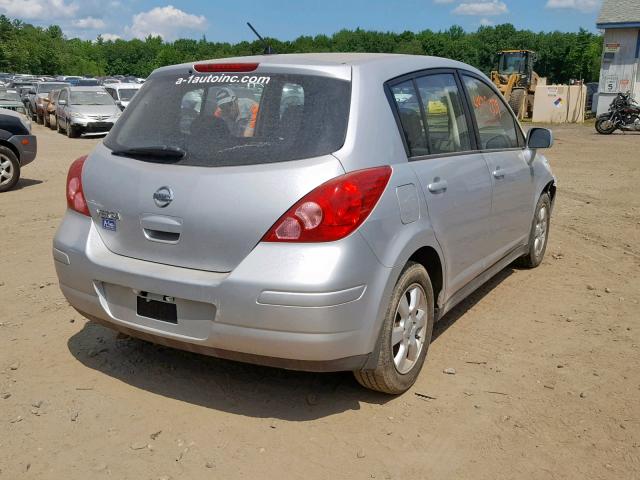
<point>209,207</point>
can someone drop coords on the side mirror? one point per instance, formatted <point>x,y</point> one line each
<point>539,138</point>
<point>62,102</point>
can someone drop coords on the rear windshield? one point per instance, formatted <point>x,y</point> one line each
<point>47,87</point>
<point>127,93</point>
<point>236,119</point>
<point>91,98</point>
<point>9,95</point>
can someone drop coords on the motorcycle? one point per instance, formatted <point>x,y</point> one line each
<point>623,114</point>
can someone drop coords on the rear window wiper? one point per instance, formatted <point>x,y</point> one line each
<point>167,152</point>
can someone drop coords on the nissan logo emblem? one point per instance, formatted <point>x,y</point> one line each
<point>163,197</point>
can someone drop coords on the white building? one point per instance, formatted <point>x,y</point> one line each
<point>620,71</point>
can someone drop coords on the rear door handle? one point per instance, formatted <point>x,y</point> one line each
<point>498,173</point>
<point>438,186</point>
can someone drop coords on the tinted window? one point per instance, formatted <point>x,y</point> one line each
<point>447,129</point>
<point>408,105</point>
<point>127,94</point>
<point>226,120</point>
<point>496,124</point>
<point>47,87</point>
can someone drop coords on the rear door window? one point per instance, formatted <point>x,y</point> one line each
<point>447,129</point>
<point>409,111</point>
<point>496,125</point>
<point>229,119</point>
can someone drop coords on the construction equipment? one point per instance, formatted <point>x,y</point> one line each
<point>516,80</point>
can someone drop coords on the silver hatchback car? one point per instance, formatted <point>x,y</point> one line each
<point>315,212</point>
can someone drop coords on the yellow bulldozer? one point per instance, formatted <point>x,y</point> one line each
<point>516,79</point>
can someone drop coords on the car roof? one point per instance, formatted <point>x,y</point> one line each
<point>384,64</point>
<point>85,88</point>
<point>122,85</point>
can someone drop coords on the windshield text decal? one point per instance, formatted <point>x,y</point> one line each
<point>224,78</point>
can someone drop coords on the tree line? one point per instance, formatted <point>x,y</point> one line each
<point>25,48</point>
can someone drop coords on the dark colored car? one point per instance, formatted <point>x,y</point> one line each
<point>18,147</point>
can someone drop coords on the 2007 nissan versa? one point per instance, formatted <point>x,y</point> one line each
<point>315,212</point>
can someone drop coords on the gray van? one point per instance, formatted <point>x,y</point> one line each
<point>315,212</point>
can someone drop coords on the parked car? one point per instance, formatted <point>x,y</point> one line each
<point>109,80</point>
<point>328,236</point>
<point>85,110</point>
<point>18,147</point>
<point>10,100</point>
<point>84,82</point>
<point>122,93</point>
<point>38,98</point>
<point>50,111</point>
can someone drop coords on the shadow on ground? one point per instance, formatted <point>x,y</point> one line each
<point>463,307</point>
<point>234,387</point>
<point>25,182</point>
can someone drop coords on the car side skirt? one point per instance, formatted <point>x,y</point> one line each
<point>480,280</point>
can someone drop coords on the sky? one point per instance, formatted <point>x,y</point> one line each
<point>288,19</point>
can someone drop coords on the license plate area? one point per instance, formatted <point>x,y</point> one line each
<point>157,307</point>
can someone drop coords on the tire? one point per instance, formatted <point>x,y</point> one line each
<point>539,235</point>
<point>45,120</point>
<point>393,375</point>
<point>516,100</point>
<point>72,132</point>
<point>9,169</point>
<point>39,119</point>
<point>602,129</point>
<point>58,126</point>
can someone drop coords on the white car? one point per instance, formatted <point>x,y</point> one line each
<point>122,93</point>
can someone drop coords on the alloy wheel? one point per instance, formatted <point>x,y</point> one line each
<point>540,233</point>
<point>407,336</point>
<point>6,170</point>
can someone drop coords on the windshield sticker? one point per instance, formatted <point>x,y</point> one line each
<point>246,79</point>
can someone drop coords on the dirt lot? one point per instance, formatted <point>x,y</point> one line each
<point>547,382</point>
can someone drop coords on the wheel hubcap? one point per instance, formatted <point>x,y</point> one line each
<point>407,336</point>
<point>540,235</point>
<point>6,170</point>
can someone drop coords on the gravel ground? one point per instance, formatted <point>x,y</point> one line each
<point>545,379</point>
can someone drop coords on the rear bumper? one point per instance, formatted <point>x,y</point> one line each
<point>306,307</point>
<point>27,146</point>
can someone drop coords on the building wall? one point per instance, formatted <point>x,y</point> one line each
<point>620,71</point>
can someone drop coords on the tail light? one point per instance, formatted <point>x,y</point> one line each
<point>75,195</point>
<point>333,210</point>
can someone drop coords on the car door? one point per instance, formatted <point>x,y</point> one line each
<point>60,108</point>
<point>455,180</point>
<point>502,143</point>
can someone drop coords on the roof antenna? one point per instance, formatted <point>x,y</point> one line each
<point>267,48</point>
